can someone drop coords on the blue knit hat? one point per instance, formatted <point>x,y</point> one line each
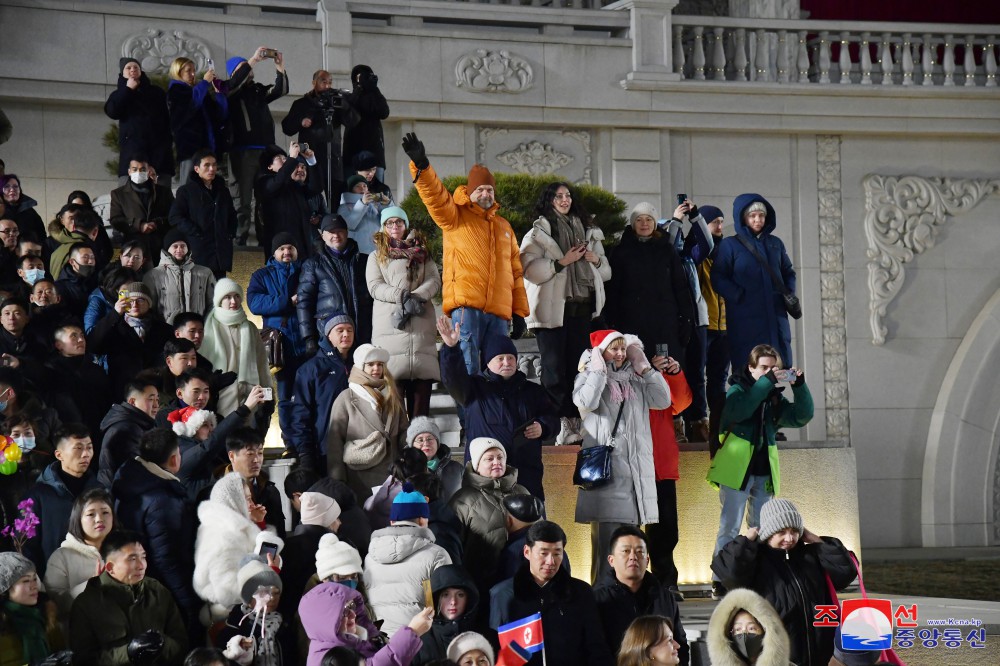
<point>710,213</point>
<point>232,64</point>
<point>408,505</point>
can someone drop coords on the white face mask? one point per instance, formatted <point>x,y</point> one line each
<point>25,443</point>
<point>139,177</point>
<point>33,275</point>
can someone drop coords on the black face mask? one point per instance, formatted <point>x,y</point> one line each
<point>748,646</point>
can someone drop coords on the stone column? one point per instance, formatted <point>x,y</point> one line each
<point>335,21</point>
<point>652,40</point>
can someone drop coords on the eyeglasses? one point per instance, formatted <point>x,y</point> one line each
<point>395,223</point>
<point>9,232</point>
<point>11,187</point>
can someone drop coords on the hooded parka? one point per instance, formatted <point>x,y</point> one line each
<point>720,648</point>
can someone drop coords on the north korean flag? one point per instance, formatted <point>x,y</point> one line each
<point>526,631</point>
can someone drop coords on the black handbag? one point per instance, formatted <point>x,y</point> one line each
<point>593,464</point>
<point>792,304</point>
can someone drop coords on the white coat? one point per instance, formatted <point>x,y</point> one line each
<point>69,568</point>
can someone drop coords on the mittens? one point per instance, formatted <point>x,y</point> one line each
<point>637,358</point>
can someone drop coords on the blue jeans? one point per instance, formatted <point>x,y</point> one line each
<point>734,505</point>
<point>475,326</point>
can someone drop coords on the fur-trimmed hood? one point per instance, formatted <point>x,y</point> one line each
<point>776,645</point>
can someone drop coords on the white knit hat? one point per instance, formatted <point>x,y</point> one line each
<point>254,572</point>
<point>641,208</point>
<point>336,557</point>
<point>467,642</point>
<point>776,515</point>
<point>223,287</point>
<point>318,509</point>
<point>369,353</point>
<point>481,445</point>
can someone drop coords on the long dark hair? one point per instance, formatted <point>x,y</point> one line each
<point>544,206</point>
<point>76,514</point>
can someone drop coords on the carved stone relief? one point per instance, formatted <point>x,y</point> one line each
<point>537,151</point>
<point>484,71</point>
<point>156,49</point>
<point>831,242</point>
<point>902,216</point>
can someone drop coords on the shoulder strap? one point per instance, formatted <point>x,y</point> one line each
<point>778,284</point>
<point>618,420</point>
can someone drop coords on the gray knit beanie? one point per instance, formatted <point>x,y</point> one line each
<point>12,567</point>
<point>419,425</point>
<point>776,515</point>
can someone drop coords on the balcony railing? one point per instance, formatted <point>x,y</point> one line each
<point>825,52</point>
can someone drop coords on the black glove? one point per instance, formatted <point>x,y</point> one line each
<point>399,318</point>
<point>692,211</point>
<point>145,648</point>
<point>517,327</point>
<point>221,380</point>
<point>61,658</point>
<point>414,148</point>
<point>414,305</point>
<point>311,346</point>
<point>800,380</point>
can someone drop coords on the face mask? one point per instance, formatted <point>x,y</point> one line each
<point>139,177</point>
<point>26,443</point>
<point>353,584</point>
<point>85,270</point>
<point>749,646</point>
<point>33,275</point>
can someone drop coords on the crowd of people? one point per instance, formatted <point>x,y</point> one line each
<point>135,396</point>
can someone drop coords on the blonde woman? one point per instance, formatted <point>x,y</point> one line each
<point>367,424</point>
<point>402,279</point>
<point>196,109</point>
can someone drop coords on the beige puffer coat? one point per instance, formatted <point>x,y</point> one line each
<point>68,570</point>
<point>412,351</point>
<point>187,287</point>
<point>479,506</point>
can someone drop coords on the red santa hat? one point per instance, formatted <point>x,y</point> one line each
<point>186,421</point>
<point>603,339</point>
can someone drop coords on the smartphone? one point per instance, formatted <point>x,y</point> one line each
<point>210,64</point>
<point>428,594</point>
<point>268,53</point>
<point>784,375</point>
<point>266,547</point>
<point>268,394</point>
<point>662,349</point>
<point>681,198</point>
<point>303,147</point>
<point>123,295</point>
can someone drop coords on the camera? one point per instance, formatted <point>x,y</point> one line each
<point>333,98</point>
<point>268,53</point>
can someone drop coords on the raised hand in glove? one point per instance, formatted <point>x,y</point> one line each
<point>518,327</point>
<point>414,148</point>
<point>637,358</point>
<point>145,648</point>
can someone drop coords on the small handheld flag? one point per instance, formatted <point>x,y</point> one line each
<point>526,631</point>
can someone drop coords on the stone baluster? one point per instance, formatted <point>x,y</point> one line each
<point>844,58</point>
<point>762,67</point>
<point>802,61</point>
<point>948,60</point>
<point>824,57</point>
<point>990,62</point>
<point>679,50</point>
<point>885,58</point>
<point>866,59</point>
<point>719,55</point>
<point>969,62</point>
<point>698,54</point>
<point>907,59</point>
<point>740,54</point>
<point>927,56</point>
<point>782,55</point>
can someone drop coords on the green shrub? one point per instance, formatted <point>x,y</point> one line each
<point>517,194</point>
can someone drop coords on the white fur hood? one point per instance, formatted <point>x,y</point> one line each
<point>776,645</point>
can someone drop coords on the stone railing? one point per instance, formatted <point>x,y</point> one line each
<point>826,52</point>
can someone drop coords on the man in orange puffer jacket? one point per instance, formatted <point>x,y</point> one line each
<point>663,536</point>
<point>483,283</point>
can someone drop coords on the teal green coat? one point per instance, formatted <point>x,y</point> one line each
<point>752,415</point>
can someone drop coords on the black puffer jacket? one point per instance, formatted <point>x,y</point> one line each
<point>794,583</point>
<point>152,502</point>
<point>285,206</point>
<point>143,124</point>
<point>319,135</point>
<point>208,219</point>
<point>648,294</point>
<point>330,284</point>
<point>618,606</point>
<point>249,116</point>
<point>122,428</point>
<point>443,630</point>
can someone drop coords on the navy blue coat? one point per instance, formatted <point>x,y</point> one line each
<point>755,311</point>
<point>269,295</point>
<point>322,291</point>
<point>499,408</point>
<point>159,510</point>
<point>195,114</point>
<point>143,124</point>
<point>199,459</point>
<point>53,504</point>
<point>317,384</point>
<point>208,220</point>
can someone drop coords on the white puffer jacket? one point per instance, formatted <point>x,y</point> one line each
<point>400,558</point>
<point>68,570</point>
<point>225,536</point>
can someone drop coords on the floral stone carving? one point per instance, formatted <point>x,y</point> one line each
<point>156,49</point>
<point>534,158</point>
<point>493,72</point>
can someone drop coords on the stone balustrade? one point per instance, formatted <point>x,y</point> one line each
<point>827,52</point>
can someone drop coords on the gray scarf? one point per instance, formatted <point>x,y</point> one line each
<point>566,232</point>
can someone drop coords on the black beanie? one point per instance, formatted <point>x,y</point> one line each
<point>124,61</point>
<point>269,154</point>
<point>282,238</point>
<point>172,237</point>
<point>497,344</point>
